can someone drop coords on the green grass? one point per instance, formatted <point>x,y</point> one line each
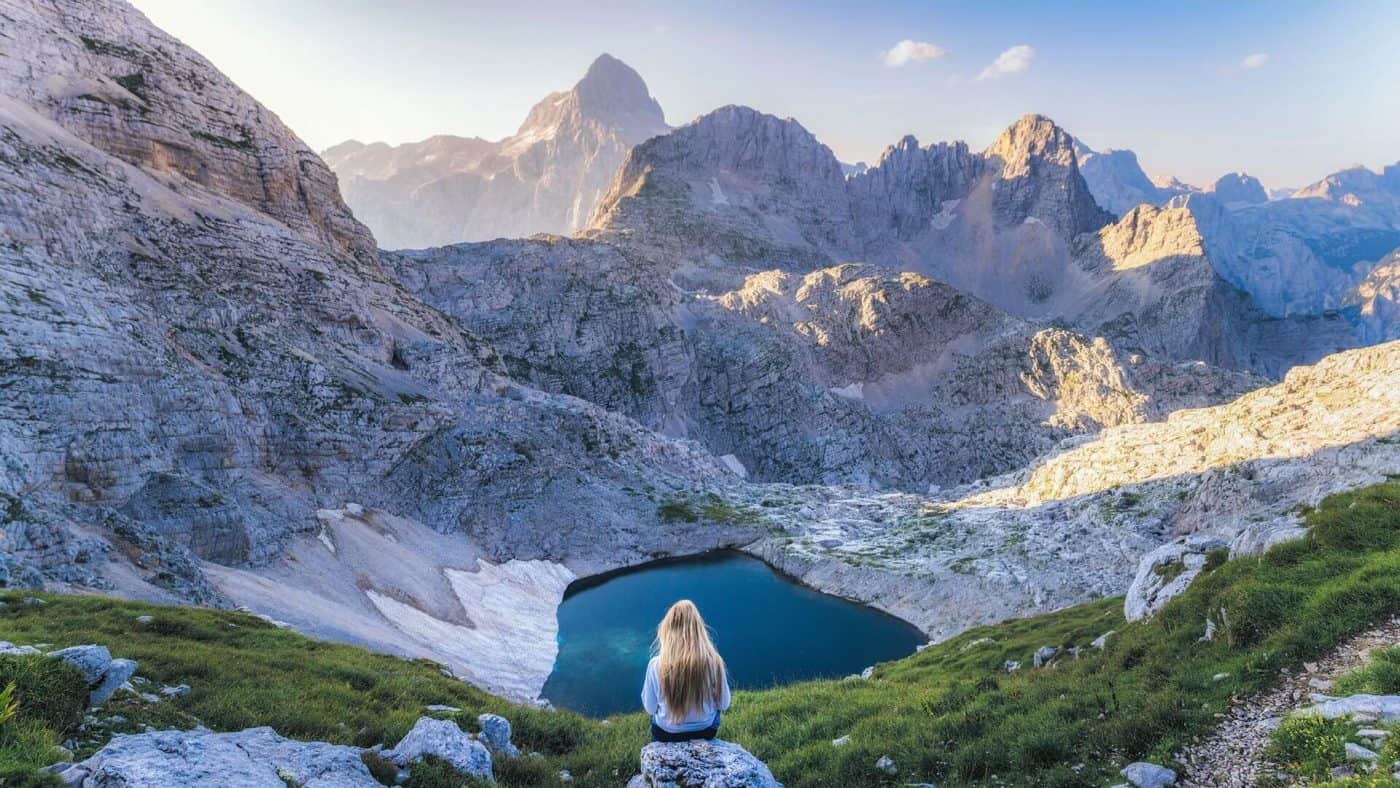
<point>949,715</point>
<point>1379,676</point>
<point>42,698</point>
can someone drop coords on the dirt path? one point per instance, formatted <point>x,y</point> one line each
<point>1233,756</point>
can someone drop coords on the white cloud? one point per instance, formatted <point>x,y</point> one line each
<point>908,51</point>
<point>1254,61</point>
<point>1012,61</point>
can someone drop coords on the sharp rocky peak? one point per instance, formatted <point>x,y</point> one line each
<point>1041,179</point>
<point>612,86</point>
<point>1033,136</point>
<point>611,93</point>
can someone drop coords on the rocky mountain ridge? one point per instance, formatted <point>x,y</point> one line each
<point>738,191</point>
<point>544,178</point>
<point>1302,253</point>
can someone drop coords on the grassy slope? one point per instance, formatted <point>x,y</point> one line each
<point>951,714</point>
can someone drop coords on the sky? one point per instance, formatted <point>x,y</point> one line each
<point>1286,90</point>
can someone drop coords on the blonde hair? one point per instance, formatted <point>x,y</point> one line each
<point>689,670</point>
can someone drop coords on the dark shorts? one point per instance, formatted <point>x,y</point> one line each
<point>660,734</point>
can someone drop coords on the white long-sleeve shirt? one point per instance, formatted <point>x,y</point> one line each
<point>656,706</point>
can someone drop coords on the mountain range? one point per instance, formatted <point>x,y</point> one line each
<point>547,177</point>
<point>958,385</point>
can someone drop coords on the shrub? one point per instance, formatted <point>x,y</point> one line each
<point>1308,746</point>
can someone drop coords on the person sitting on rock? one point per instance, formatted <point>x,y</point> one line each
<point>686,685</point>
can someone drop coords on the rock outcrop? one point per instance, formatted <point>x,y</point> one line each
<point>701,764</point>
<point>103,674</point>
<point>1377,301</point>
<point>106,75</point>
<point>546,178</point>
<point>442,739</point>
<point>1166,572</point>
<point>253,758</point>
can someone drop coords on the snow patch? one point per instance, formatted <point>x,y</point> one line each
<point>513,643</point>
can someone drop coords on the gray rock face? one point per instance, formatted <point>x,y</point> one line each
<point>703,764</point>
<point>1039,178</point>
<point>1149,775</point>
<point>91,661</point>
<point>546,178</point>
<point>442,739</point>
<point>850,373</point>
<point>212,365</point>
<point>1151,284</point>
<point>1377,301</point>
<point>736,186</point>
<point>495,734</point>
<point>116,81</point>
<point>254,758</point>
<point>117,674</point>
<point>1166,572</point>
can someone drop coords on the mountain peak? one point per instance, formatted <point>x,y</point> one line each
<point>1032,136</point>
<point>611,90</point>
<point>1038,165</point>
<point>1238,187</point>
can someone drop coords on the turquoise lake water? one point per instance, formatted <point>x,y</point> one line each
<point>770,629</point>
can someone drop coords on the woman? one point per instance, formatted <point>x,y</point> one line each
<point>686,686</point>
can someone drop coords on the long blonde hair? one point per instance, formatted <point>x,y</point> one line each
<point>690,670</point>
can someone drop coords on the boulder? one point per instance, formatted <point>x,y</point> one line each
<point>495,734</point>
<point>443,739</point>
<point>91,661</point>
<point>118,671</point>
<point>177,691</point>
<point>1043,655</point>
<point>1166,572</point>
<point>1355,752</point>
<point>253,758</point>
<point>1148,775</point>
<point>1371,708</point>
<point>7,647</point>
<point>886,765</point>
<point>703,764</point>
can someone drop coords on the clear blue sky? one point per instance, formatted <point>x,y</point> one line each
<point>1171,80</point>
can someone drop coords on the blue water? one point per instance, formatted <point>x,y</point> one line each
<point>770,630</point>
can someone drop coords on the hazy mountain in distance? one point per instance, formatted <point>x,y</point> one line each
<point>547,177</point>
<point>1118,182</point>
